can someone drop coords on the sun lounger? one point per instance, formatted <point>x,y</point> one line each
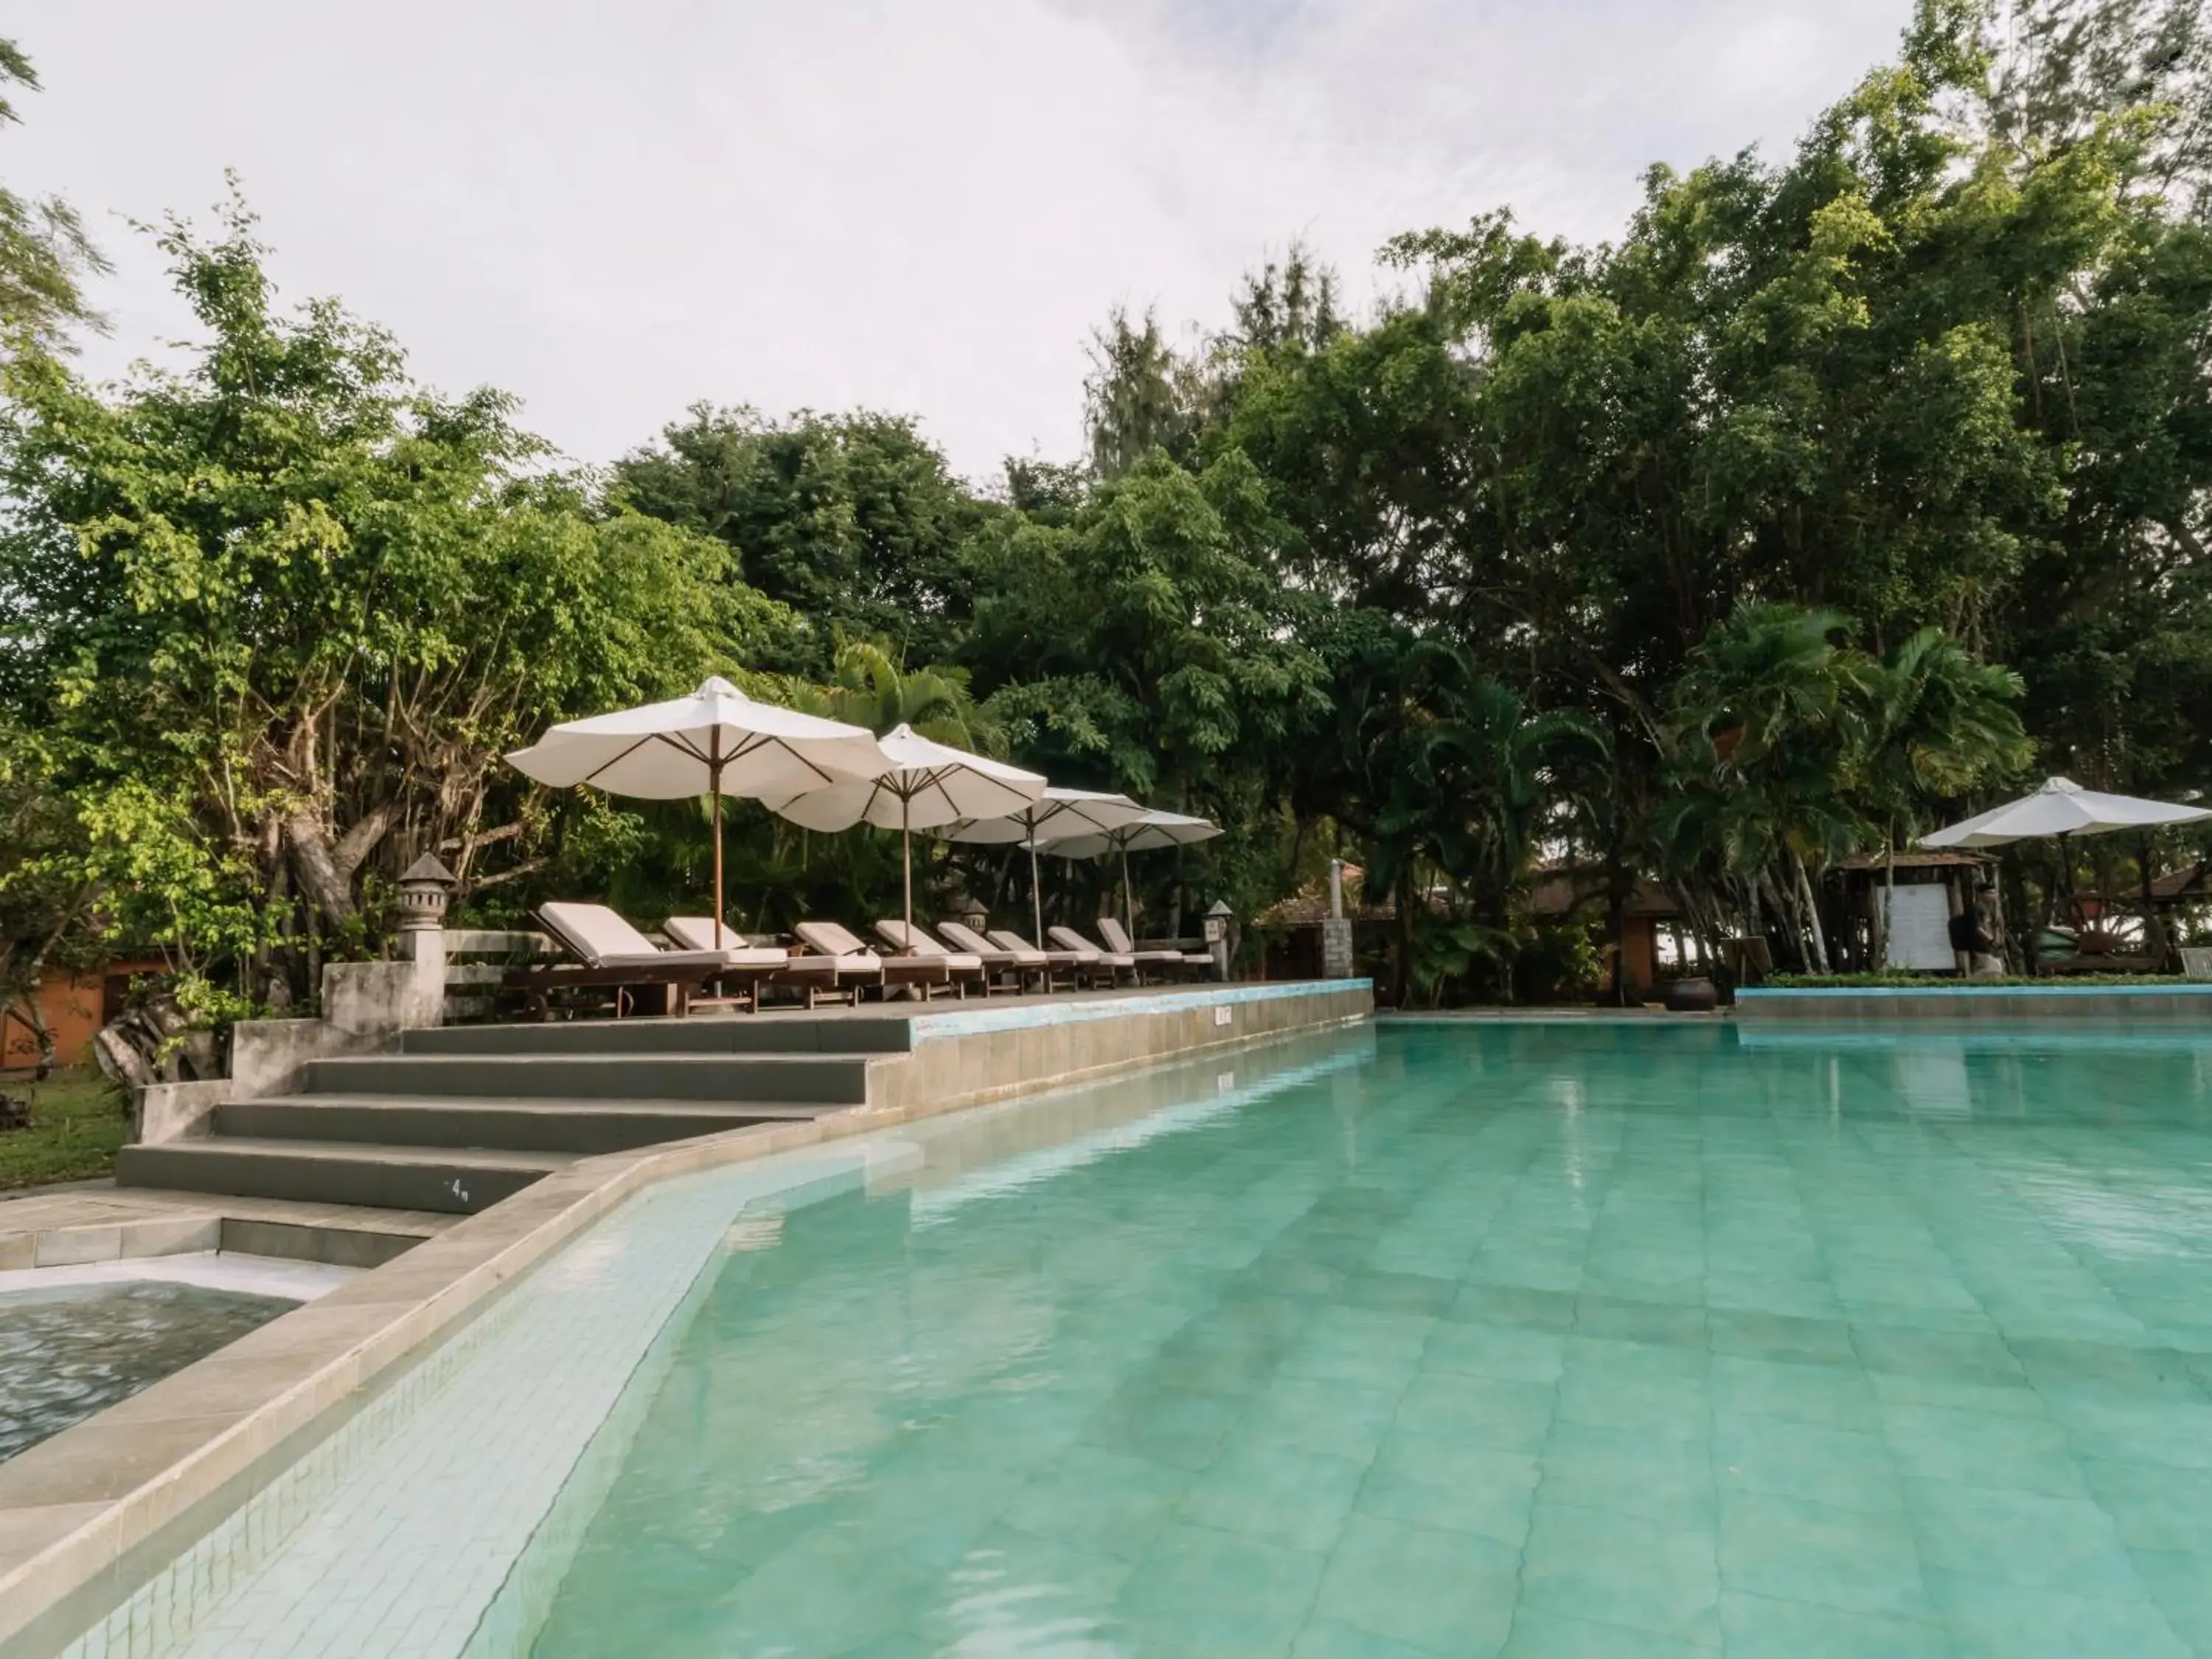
<point>967,968</point>
<point>840,978</point>
<point>1114,962</point>
<point>611,955</point>
<point>1067,967</point>
<point>925,973</point>
<point>1168,964</point>
<point>1020,961</point>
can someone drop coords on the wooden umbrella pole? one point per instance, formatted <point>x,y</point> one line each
<point>1036,892</point>
<point>906,862</point>
<point>715,786</point>
<point>1129,904</point>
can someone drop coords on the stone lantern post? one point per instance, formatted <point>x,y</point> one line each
<point>1336,928</point>
<point>426,887</point>
<point>1219,922</point>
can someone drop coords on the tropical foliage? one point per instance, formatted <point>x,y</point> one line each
<point>1842,490</point>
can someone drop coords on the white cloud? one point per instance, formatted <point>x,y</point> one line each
<point>616,211</point>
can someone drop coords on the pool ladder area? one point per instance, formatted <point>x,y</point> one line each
<point>458,1118</point>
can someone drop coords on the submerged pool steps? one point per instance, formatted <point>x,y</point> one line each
<point>460,1118</point>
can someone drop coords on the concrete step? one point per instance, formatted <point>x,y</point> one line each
<point>835,1033</point>
<point>445,1179</point>
<point>547,1125</point>
<point>818,1080</point>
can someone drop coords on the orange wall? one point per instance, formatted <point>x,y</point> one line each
<point>74,1005</point>
<point>1640,953</point>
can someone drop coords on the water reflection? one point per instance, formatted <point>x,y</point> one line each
<point>67,1353</point>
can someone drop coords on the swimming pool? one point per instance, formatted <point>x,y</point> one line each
<point>68,1353</point>
<point>1532,1339</point>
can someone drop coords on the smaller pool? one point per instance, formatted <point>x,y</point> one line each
<point>67,1352</point>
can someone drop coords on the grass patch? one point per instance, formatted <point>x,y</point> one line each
<point>79,1121</point>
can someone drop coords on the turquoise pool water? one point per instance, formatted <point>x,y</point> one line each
<point>1535,1339</point>
<point>65,1354</point>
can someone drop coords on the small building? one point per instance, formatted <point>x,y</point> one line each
<point>1289,930</point>
<point>1933,884</point>
<point>1560,893</point>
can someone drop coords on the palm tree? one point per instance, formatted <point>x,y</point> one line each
<point>869,686</point>
<point>1766,724</point>
<point>1460,779</point>
<point>1937,724</point>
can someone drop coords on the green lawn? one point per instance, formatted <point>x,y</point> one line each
<point>78,1122</point>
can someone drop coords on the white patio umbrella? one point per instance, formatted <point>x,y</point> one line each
<point>2061,808</point>
<point>922,784</point>
<point>1154,828</point>
<point>1057,813</point>
<point>716,742</point>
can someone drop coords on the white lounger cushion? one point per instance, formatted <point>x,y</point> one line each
<point>1014,941</point>
<point>697,934</point>
<point>832,940</point>
<point>1116,940</point>
<point>604,940</point>
<point>1068,938</point>
<point>968,940</point>
<point>917,942</point>
<point>864,965</point>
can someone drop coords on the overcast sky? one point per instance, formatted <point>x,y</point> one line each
<point>617,210</point>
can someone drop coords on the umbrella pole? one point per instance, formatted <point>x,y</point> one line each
<point>1129,904</point>
<point>906,862</point>
<point>1036,894</point>
<point>715,786</point>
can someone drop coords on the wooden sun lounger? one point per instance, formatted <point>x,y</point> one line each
<point>1020,963</point>
<point>966,967</point>
<point>1116,962</point>
<point>1168,964</point>
<point>611,955</point>
<point>830,940</point>
<point>835,978</point>
<point>1065,969</point>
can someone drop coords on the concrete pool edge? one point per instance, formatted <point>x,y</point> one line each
<point>90,1513</point>
<point>2183,1001</point>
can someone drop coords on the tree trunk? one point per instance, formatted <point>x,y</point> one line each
<point>1402,970</point>
<point>325,869</point>
<point>1781,909</point>
<point>35,974</point>
<point>1887,908</point>
<point>2155,939</point>
<point>1812,901</point>
<point>26,1009</point>
<point>1616,930</point>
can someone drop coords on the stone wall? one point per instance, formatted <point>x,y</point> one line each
<point>365,1005</point>
<point>2181,1003</point>
<point>964,1060</point>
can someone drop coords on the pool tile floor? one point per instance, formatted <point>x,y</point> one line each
<point>1504,1339</point>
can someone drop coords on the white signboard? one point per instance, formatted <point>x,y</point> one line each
<point>1918,927</point>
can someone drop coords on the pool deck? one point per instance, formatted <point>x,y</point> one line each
<point>90,1516</point>
<point>102,1222</point>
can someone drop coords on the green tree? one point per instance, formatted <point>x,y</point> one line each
<point>869,686</point>
<point>46,256</point>
<point>276,616</point>
<point>46,898</point>
<point>1141,395</point>
<point>1767,717</point>
<point>853,521</point>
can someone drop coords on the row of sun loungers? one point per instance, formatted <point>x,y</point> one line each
<point>833,965</point>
